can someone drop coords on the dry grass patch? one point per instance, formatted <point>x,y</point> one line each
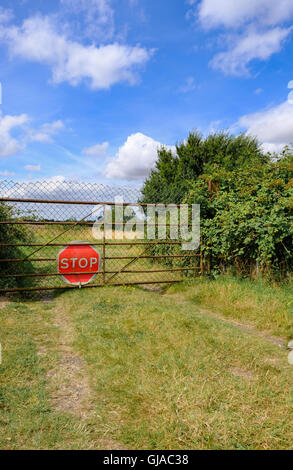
<point>3,302</point>
<point>246,374</point>
<point>71,391</point>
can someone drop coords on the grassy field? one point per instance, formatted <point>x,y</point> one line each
<point>266,306</point>
<point>127,368</point>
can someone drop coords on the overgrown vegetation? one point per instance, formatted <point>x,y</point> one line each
<point>170,181</point>
<point>13,234</point>
<point>260,303</point>
<point>246,200</point>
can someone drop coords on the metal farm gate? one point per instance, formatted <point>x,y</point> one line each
<point>39,219</point>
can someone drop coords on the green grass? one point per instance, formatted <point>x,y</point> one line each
<point>257,302</point>
<point>162,374</point>
<point>26,416</point>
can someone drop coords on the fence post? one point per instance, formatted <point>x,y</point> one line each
<point>104,246</point>
<point>201,264</point>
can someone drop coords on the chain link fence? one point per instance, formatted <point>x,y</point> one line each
<point>38,219</point>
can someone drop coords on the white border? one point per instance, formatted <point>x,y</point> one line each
<point>94,274</point>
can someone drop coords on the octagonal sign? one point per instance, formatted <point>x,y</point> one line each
<point>78,263</point>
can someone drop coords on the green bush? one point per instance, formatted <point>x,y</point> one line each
<point>246,221</point>
<point>170,179</point>
<point>12,233</point>
<point>246,200</point>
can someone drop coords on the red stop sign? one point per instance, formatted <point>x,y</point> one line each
<point>80,258</point>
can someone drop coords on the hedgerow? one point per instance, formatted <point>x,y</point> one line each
<point>246,217</point>
<point>246,200</point>
<point>13,234</point>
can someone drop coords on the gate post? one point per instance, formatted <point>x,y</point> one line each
<point>201,264</point>
<point>104,245</point>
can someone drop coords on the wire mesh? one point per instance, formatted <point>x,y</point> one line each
<point>50,215</point>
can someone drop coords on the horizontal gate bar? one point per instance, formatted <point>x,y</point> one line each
<point>37,289</point>
<point>113,225</point>
<point>152,257</point>
<point>16,260</point>
<point>94,244</point>
<point>194,268</point>
<point>34,222</point>
<point>84,203</point>
<point>46,245</point>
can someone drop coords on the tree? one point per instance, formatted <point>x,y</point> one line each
<point>173,174</point>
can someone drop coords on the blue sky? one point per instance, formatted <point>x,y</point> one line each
<point>91,88</point>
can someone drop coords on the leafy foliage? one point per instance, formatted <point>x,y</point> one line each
<point>247,220</point>
<point>170,180</point>
<point>246,200</point>
<point>12,233</point>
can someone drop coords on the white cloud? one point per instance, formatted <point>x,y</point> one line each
<point>273,148</point>
<point>10,145</point>
<point>37,40</point>
<point>98,150</point>
<point>135,158</point>
<point>252,45</point>
<point>7,173</point>
<point>273,127</point>
<point>5,15</point>
<point>32,167</point>
<point>232,14</point>
<point>257,28</point>
<point>188,86</point>
<point>46,131</point>
<point>52,128</point>
<point>97,15</point>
